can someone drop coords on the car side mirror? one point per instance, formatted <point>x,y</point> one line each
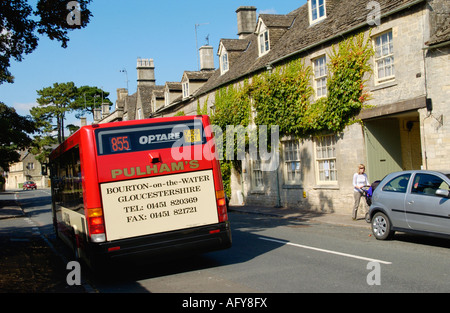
<point>443,193</point>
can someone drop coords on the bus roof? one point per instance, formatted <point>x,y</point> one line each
<point>74,139</point>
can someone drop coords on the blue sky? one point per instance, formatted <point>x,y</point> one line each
<point>120,32</point>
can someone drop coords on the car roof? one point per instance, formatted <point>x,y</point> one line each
<point>444,172</point>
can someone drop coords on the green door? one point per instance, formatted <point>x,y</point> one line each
<point>383,146</point>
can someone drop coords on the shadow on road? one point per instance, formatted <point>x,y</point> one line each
<point>246,247</point>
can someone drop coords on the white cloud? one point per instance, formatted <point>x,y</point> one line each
<point>268,11</point>
<point>24,108</point>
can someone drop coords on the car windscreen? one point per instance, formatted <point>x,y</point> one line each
<point>144,137</point>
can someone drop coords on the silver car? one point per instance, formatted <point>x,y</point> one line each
<point>411,201</point>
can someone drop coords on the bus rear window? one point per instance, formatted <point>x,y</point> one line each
<point>149,137</point>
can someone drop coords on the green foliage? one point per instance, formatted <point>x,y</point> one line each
<point>225,168</point>
<point>62,98</point>
<point>232,106</point>
<point>204,110</point>
<point>13,135</point>
<point>21,23</point>
<point>54,102</point>
<point>285,96</point>
<point>180,113</point>
<point>89,98</point>
<point>42,147</point>
<point>282,97</point>
<point>346,95</point>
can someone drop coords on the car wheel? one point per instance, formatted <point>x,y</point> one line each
<point>381,226</point>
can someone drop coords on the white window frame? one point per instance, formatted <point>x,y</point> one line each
<point>166,98</point>
<point>263,38</point>
<point>315,8</point>
<point>224,64</point>
<point>320,76</point>
<point>384,57</point>
<point>325,160</point>
<point>257,177</point>
<point>292,162</point>
<point>264,42</point>
<point>185,88</point>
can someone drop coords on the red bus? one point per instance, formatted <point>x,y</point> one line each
<point>139,188</point>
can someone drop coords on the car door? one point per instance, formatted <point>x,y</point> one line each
<point>424,210</point>
<point>392,197</point>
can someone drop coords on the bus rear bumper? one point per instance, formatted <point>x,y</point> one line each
<point>166,245</point>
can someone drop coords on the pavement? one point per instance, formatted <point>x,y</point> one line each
<point>311,216</point>
<point>32,264</point>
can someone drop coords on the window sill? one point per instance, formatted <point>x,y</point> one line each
<point>380,86</point>
<point>329,187</point>
<point>292,186</point>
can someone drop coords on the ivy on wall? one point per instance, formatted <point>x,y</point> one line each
<point>281,97</point>
<point>232,107</point>
<point>285,96</point>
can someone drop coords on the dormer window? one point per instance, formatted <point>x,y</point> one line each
<point>224,66</point>
<point>185,88</point>
<point>264,45</point>
<point>166,98</point>
<point>263,38</point>
<point>317,11</point>
<point>224,62</point>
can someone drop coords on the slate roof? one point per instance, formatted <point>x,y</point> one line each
<point>198,75</point>
<point>440,22</point>
<point>343,16</point>
<point>145,97</point>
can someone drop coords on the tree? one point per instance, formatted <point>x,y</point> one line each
<point>89,98</point>
<point>63,98</point>
<point>54,102</point>
<point>20,25</point>
<point>14,130</point>
<point>42,147</point>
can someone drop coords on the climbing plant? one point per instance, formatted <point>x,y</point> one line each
<point>281,97</point>
<point>285,96</point>
<point>349,62</point>
<point>232,107</point>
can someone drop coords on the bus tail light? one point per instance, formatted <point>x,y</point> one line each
<point>96,225</point>
<point>221,205</point>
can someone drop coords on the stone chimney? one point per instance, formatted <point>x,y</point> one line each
<point>246,18</point>
<point>122,93</point>
<point>145,72</point>
<point>206,58</point>
<point>105,110</point>
<point>97,114</point>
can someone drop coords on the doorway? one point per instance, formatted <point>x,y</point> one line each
<point>393,144</point>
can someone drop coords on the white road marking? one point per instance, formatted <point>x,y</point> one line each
<point>326,251</point>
